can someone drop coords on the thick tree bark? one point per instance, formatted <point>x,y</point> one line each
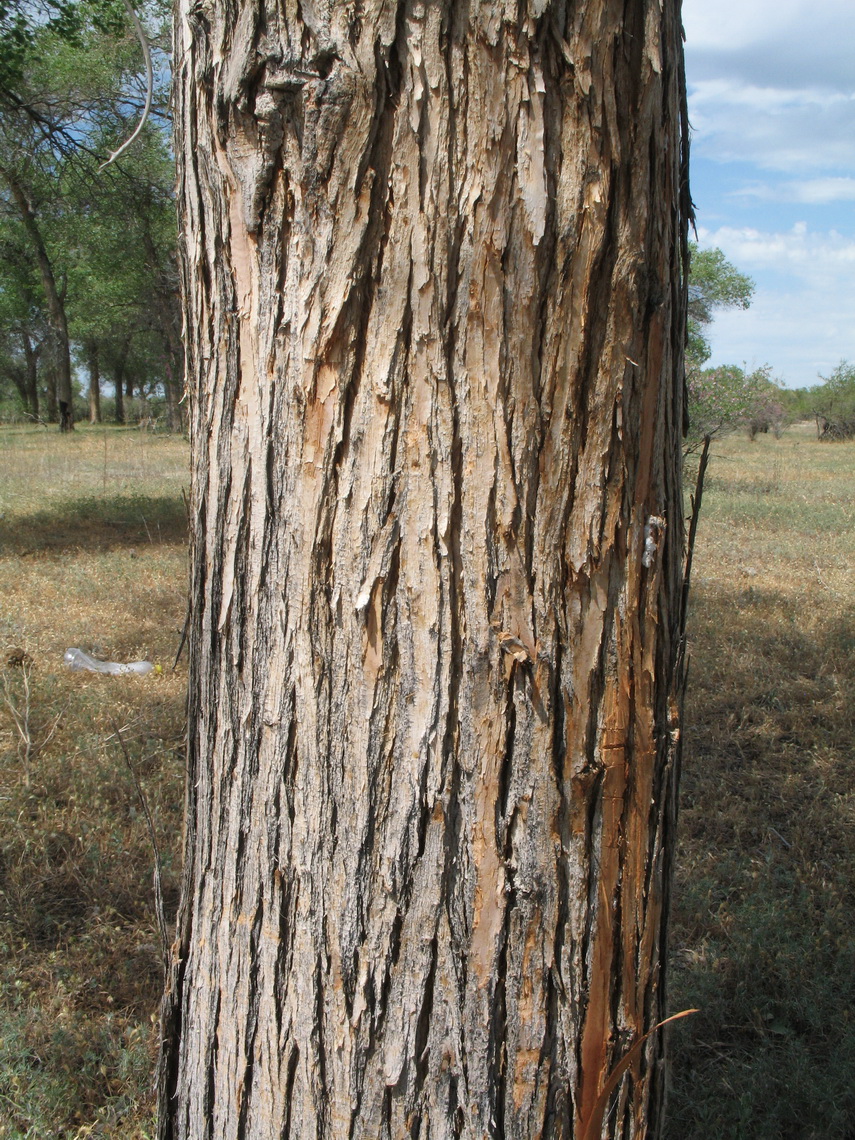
<point>434,299</point>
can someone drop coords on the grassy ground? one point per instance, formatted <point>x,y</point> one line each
<point>763,935</point>
<point>92,554</point>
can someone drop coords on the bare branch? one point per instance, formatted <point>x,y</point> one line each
<point>149,87</point>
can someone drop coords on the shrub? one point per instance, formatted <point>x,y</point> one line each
<point>834,403</point>
<point>726,398</point>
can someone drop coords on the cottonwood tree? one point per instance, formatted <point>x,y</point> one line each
<point>101,240</point>
<point>433,261</point>
<point>714,284</point>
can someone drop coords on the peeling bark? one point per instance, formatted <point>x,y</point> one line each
<point>434,311</point>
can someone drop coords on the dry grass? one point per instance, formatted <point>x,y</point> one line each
<point>92,554</point>
<point>763,934</point>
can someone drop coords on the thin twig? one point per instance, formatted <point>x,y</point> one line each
<point>785,842</point>
<point>186,628</point>
<point>21,716</point>
<point>20,711</point>
<point>149,90</point>
<point>158,885</point>
<point>593,1126</point>
<point>693,528</point>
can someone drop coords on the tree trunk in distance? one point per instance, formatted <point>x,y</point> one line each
<point>433,274</point>
<point>174,369</point>
<point>94,384</point>
<point>119,381</point>
<point>49,375</point>
<point>174,418</point>
<point>31,355</point>
<point>55,303</point>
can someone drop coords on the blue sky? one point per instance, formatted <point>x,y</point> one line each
<point>772,108</point>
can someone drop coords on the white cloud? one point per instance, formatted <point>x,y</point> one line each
<point>728,25</point>
<point>787,129</point>
<point>801,317</point>
<point>811,191</point>
<point>772,89</point>
<point>813,256</point>
<point>781,43</point>
<point>799,334</point>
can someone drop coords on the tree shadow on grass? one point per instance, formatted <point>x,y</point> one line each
<point>762,934</point>
<point>97,524</point>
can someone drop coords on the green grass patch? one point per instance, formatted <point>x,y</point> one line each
<point>92,554</point>
<point>762,938</point>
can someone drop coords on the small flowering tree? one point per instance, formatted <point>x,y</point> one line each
<point>722,399</point>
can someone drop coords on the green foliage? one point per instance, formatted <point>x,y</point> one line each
<point>28,26</point>
<point>99,1064</point>
<point>722,399</point>
<point>798,403</point>
<point>833,403</point>
<point>713,284</point>
<point>762,933</point>
<point>108,235</point>
<point>92,549</point>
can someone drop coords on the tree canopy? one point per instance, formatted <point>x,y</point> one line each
<point>714,284</point>
<point>89,268</point>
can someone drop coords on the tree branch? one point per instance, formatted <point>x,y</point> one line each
<point>149,87</point>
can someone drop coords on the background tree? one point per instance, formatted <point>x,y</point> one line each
<point>832,403</point>
<point>725,397</point>
<point>433,270</point>
<point>102,241</point>
<point>23,329</point>
<point>123,278</point>
<point>714,284</point>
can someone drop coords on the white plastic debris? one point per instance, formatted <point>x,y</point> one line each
<point>76,659</point>
<point>652,533</point>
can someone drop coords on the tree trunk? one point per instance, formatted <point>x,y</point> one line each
<point>49,371</point>
<point>174,419</point>
<point>94,384</point>
<point>169,325</point>
<point>174,369</point>
<point>31,355</point>
<point>433,278</point>
<point>55,302</point>
<point>119,381</point>
<point>18,376</point>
